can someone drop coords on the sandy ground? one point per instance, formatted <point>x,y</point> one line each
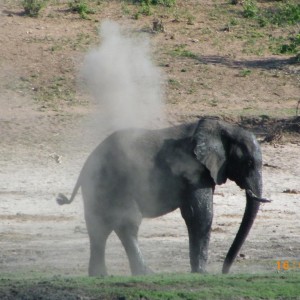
<point>37,161</point>
<point>43,146</point>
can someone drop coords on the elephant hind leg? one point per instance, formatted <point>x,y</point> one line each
<point>127,232</point>
<point>98,233</point>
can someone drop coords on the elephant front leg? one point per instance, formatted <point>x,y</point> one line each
<point>198,250</point>
<point>197,212</point>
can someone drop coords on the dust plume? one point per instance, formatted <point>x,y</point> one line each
<point>127,89</point>
<point>125,84</point>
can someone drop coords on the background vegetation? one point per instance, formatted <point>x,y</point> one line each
<point>184,32</point>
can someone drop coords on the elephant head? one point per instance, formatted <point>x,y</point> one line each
<point>230,152</point>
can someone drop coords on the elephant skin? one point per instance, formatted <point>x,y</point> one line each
<point>135,174</point>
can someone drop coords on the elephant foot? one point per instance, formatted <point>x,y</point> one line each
<point>95,272</point>
<point>98,276</point>
<point>102,274</point>
<point>200,271</point>
<point>203,272</point>
<point>143,271</point>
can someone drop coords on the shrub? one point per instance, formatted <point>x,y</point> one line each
<point>167,3</point>
<point>146,9</point>
<point>81,7</point>
<point>293,47</point>
<point>33,7</point>
<point>250,9</point>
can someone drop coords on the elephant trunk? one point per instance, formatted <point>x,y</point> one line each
<point>253,198</point>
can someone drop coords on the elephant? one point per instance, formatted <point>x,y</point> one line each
<point>137,173</point>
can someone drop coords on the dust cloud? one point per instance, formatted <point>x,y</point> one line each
<point>127,90</point>
<point>125,84</point>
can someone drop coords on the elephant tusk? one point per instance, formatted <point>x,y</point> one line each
<point>254,197</point>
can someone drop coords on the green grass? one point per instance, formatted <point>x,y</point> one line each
<point>181,51</point>
<point>176,286</point>
<point>245,72</point>
<point>281,14</point>
<point>284,14</point>
<point>259,22</point>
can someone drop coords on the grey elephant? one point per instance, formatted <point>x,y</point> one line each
<point>135,174</point>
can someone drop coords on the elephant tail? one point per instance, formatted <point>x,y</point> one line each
<point>61,199</point>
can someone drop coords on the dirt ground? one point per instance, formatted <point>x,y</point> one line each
<point>42,149</point>
<point>37,235</point>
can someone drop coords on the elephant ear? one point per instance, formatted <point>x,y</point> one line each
<point>210,149</point>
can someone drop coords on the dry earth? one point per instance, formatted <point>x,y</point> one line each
<point>39,236</point>
<point>43,145</point>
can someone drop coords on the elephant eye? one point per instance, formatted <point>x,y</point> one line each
<point>250,163</point>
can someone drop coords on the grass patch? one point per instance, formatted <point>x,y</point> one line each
<point>284,14</point>
<point>181,51</point>
<point>281,14</point>
<point>175,286</point>
<point>57,90</point>
<point>245,72</point>
<point>264,26</point>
